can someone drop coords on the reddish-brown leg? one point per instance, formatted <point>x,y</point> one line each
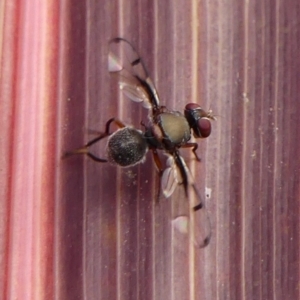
<point>157,161</point>
<point>84,149</point>
<point>159,167</point>
<point>194,147</point>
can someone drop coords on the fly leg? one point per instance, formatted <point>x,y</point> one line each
<point>194,147</point>
<point>85,148</point>
<point>159,167</point>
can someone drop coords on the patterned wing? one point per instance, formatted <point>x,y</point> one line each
<point>189,213</point>
<point>134,80</point>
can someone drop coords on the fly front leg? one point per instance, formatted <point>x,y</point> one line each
<point>85,148</point>
<point>194,147</point>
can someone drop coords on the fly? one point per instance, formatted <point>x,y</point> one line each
<point>167,131</point>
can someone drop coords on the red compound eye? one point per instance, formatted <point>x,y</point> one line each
<point>204,127</point>
<point>192,106</point>
<point>198,120</point>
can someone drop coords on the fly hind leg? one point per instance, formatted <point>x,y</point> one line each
<point>85,148</point>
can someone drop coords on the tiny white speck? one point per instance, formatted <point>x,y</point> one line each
<point>208,192</point>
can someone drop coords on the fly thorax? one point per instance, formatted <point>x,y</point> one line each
<point>175,128</point>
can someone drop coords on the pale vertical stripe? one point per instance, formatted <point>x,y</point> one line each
<point>275,171</point>
<point>154,174</point>
<point>219,217</point>
<point>85,169</point>
<point>244,151</point>
<point>261,138</point>
<point>62,79</point>
<point>194,93</point>
<point>118,179</point>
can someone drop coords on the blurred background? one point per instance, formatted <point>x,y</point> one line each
<point>75,229</point>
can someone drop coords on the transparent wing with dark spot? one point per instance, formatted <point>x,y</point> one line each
<point>189,215</point>
<point>134,81</point>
